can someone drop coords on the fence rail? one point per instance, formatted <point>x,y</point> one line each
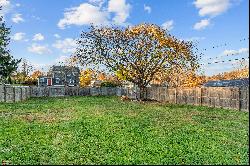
<point>223,97</point>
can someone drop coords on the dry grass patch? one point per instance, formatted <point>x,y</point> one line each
<point>50,116</point>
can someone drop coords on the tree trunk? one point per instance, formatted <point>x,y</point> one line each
<point>141,96</point>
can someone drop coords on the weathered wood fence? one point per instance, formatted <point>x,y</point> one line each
<point>224,97</point>
<point>14,93</point>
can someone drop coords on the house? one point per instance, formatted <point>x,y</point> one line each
<point>228,83</point>
<point>44,81</point>
<point>61,76</point>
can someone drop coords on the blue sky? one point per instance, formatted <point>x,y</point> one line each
<point>43,31</point>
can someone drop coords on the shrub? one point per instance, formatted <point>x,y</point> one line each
<point>108,84</point>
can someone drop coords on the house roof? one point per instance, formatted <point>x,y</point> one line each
<point>228,83</point>
<point>44,77</point>
<point>56,68</point>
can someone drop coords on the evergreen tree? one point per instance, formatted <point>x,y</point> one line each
<point>7,63</point>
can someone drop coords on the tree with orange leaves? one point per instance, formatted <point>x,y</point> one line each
<point>36,74</point>
<point>136,54</point>
<point>86,77</point>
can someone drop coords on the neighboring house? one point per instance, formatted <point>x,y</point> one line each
<point>44,81</point>
<point>228,83</point>
<point>61,76</point>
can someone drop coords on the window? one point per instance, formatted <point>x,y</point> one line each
<point>41,79</point>
<point>57,80</point>
<point>71,81</point>
<point>75,73</point>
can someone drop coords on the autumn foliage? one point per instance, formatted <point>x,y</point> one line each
<point>85,77</point>
<point>88,75</point>
<point>191,79</point>
<point>136,54</point>
<point>235,74</point>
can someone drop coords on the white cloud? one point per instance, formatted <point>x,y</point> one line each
<point>244,50</point>
<point>97,2</point>
<point>18,36</point>
<point>67,45</point>
<point>38,37</point>
<point>212,8</point>
<point>18,4</point>
<point>39,49</point>
<point>147,9</point>
<point>194,39</point>
<point>168,25</point>
<point>222,55</point>
<point>226,52</point>
<point>4,3</point>
<point>93,12</point>
<point>121,10</point>
<point>84,14</point>
<point>41,66</point>
<point>36,18</point>
<point>5,7</point>
<point>17,18</point>
<point>57,36</point>
<point>202,24</point>
<point>62,58</point>
<point>240,51</point>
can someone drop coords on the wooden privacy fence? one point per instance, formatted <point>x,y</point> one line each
<point>14,93</point>
<point>20,93</point>
<point>56,91</point>
<point>224,97</point>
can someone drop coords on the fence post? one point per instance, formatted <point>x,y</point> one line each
<point>4,89</point>
<point>198,96</point>
<point>208,95</point>
<point>21,93</point>
<point>238,102</point>
<point>14,93</point>
<point>201,96</point>
<point>49,90</point>
<point>175,96</point>
<point>29,91</point>
<point>1,93</point>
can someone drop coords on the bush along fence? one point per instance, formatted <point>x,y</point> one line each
<point>222,97</point>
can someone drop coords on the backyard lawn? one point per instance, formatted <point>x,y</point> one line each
<point>106,130</point>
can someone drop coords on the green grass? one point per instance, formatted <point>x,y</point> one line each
<point>106,130</point>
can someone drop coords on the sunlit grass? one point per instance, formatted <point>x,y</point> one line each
<point>106,130</point>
